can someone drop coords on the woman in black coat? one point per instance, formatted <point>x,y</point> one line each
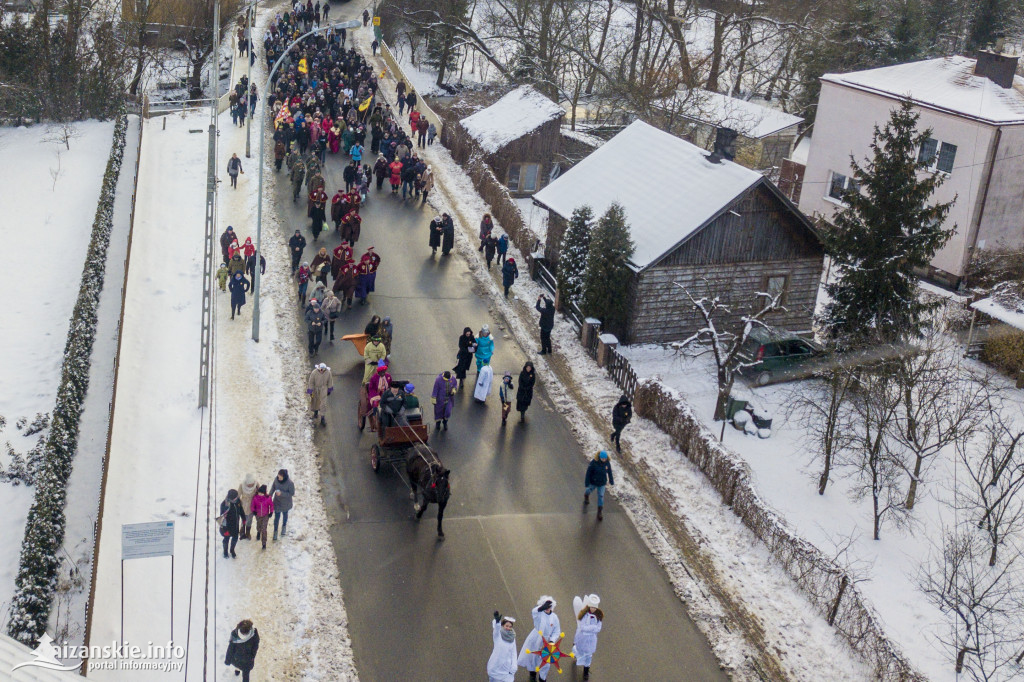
<point>436,227</point>
<point>467,348</point>
<point>242,648</point>
<point>524,394</point>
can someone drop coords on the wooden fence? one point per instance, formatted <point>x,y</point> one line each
<point>827,586</point>
<point>622,373</point>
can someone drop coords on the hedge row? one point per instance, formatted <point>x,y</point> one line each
<point>44,530</point>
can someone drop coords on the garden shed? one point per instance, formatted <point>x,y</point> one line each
<point>703,223</point>
<point>518,137</point>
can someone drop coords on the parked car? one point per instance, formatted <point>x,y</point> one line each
<point>770,356</point>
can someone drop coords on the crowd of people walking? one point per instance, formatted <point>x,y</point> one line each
<point>323,102</point>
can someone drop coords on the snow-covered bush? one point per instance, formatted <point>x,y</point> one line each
<point>36,581</point>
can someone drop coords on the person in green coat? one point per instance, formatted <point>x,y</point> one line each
<point>374,352</point>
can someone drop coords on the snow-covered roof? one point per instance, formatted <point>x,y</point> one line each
<point>946,84</point>
<point>678,192</point>
<point>749,119</point>
<point>802,150</point>
<point>1007,314</point>
<point>519,112</point>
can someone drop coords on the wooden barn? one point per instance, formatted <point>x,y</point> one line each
<point>707,224</point>
<point>518,137</point>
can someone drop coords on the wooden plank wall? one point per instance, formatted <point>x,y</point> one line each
<point>661,312</point>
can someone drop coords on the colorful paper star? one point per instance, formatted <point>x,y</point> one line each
<point>551,652</point>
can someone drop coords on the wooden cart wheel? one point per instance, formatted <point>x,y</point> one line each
<point>375,458</point>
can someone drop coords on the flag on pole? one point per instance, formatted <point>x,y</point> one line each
<point>303,69</point>
<point>366,105</point>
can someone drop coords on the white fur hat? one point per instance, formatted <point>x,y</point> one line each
<point>545,598</point>
<point>592,601</point>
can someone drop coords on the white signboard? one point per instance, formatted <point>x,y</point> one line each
<point>144,540</point>
<point>355,23</point>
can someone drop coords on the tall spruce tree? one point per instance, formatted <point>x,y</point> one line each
<point>887,229</point>
<point>607,278</point>
<point>572,257</point>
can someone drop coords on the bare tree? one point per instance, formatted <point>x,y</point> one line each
<point>725,332</point>
<point>62,133</point>
<point>880,470</point>
<point>994,463</point>
<point>984,605</point>
<point>940,405</point>
<point>826,414</point>
<point>195,36</point>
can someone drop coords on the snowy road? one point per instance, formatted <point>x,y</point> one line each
<point>515,526</point>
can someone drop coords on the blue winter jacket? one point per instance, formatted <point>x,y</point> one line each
<point>484,348</point>
<point>599,473</point>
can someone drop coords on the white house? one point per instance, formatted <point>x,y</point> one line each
<point>975,109</point>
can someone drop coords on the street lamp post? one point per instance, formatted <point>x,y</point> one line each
<point>260,160</point>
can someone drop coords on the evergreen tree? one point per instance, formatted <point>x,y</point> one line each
<point>572,258</point>
<point>886,231</point>
<point>607,278</point>
<point>990,20</point>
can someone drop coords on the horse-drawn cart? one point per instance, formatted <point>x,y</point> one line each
<point>393,443</point>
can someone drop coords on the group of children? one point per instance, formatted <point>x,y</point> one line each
<point>546,632</point>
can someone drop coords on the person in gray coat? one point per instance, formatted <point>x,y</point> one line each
<point>282,491</point>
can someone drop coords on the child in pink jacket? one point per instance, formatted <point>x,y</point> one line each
<point>262,508</point>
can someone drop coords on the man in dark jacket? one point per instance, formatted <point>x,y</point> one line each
<point>547,322</point>
<point>622,414</point>
<point>599,474</point>
<point>230,515</point>
<point>447,234</point>
<point>225,242</point>
<point>242,647</point>
<point>315,323</point>
<point>296,245</point>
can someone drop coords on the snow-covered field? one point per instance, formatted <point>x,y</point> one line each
<point>786,477</point>
<point>49,196</point>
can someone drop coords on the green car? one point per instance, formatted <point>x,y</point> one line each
<point>770,356</point>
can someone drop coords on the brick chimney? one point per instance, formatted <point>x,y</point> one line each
<point>725,145</point>
<point>996,66</point>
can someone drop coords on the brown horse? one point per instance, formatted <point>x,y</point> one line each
<point>426,472</point>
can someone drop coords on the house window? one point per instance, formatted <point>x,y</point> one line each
<point>523,177</point>
<point>776,285</point>
<point>938,156</point>
<point>839,185</point>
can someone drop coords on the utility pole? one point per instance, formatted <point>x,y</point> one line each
<point>211,218</point>
<point>250,19</point>
<point>261,159</point>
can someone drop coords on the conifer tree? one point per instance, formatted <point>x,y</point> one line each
<point>572,258</point>
<point>887,229</point>
<point>607,278</point>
